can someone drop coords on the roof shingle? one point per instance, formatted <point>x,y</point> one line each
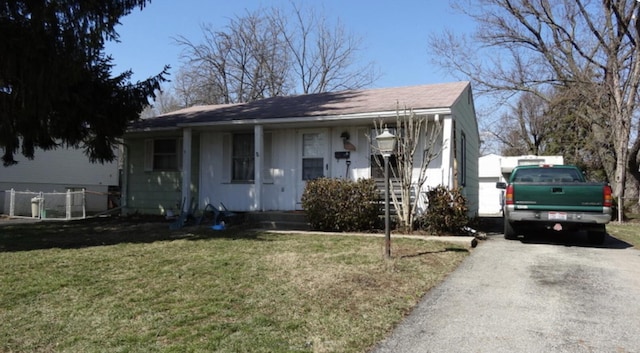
<point>442,95</point>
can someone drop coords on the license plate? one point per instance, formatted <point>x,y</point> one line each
<point>558,216</point>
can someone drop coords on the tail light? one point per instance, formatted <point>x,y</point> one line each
<point>508,196</point>
<point>608,199</point>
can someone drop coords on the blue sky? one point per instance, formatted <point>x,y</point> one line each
<point>394,33</point>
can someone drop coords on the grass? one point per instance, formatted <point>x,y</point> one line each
<point>628,232</point>
<point>136,286</point>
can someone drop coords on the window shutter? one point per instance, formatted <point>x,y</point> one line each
<point>226,158</point>
<point>266,160</point>
<point>148,155</point>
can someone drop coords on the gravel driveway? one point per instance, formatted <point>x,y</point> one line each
<point>543,294</point>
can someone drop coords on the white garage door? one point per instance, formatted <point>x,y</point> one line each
<point>490,197</point>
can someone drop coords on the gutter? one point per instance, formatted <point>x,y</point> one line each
<point>291,120</point>
<point>323,118</point>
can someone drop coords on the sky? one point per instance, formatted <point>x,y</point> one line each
<point>394,33</point>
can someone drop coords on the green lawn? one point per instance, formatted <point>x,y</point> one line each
<point>135,286</point>
<point>628,232</point>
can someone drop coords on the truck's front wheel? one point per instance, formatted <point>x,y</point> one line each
<point>509,231</point>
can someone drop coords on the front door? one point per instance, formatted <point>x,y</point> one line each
<point>314,158</point>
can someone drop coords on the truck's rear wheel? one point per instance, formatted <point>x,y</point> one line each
<point>596,236</point>
<point>509,231</point>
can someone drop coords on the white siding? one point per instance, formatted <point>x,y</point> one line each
<point>156,191</point>
<point>279,186</point>
<point>57,170</point>
<point>64,166</point>
<point>490,197</point>
<point>464,114</point>
<point>278,191</point>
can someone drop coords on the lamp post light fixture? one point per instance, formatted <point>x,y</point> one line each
<point>386,145</point>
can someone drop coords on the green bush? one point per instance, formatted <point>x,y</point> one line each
<point>341,205</point>
<point>446,213</point>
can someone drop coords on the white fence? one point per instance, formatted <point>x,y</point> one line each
<point>46,205</point>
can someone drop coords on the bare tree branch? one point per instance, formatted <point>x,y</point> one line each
<point>264,54</point>
<point>537,46</point>
<point>419,142</point>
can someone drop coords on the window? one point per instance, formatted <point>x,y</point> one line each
<point>163,154</point>
<point>313,145</point>
<point>312,168</point>
<point>548,175</point>
<point>238,158</point>
<point>242,157</point>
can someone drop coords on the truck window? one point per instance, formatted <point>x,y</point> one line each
<point>548,175</point>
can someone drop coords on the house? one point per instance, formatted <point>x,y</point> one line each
<point>258,156</point>
<point>58,171</point>
<point>495,168</point>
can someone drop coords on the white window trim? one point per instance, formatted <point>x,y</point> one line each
<point>227,157</point>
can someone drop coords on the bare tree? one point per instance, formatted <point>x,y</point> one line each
<point>418,143</point>
<point>263,54</point>
<point>323,55</point>
<point>577,44</point>
<point>165,102</point>
<point>193,88</point>
<point>245,62</point>
<point>525,128</point>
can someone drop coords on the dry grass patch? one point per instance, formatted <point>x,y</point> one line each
<point>628,232</point>
<point>142,288</point>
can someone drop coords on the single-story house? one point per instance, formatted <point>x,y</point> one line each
<point>58,171</point>
<point>258,156</point>
<point>495,168</point>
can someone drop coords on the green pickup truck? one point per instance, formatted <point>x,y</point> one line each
<point>555,197</point>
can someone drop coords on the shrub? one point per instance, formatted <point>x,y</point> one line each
<point>341,205</point>
<point>446,213</point>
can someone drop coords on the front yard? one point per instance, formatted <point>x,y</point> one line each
<point>135,286</point>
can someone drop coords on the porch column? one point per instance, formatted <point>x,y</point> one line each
<point>258,134</point>
<point>447,146</point>
<point>186,168</point>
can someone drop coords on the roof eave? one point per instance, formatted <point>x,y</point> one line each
<point>315,119</point>
<point>154,129</point>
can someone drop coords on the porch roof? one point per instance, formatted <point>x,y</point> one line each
<point>330,104</point>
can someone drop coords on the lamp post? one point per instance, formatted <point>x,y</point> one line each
<point>386,145</point>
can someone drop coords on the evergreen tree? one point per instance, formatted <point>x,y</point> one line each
<point>56,84</point>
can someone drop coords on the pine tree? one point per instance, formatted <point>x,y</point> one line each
<point>56,84</point>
